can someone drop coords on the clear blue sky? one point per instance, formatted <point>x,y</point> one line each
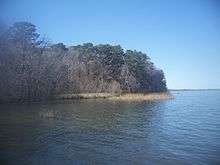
<point>182,37</point>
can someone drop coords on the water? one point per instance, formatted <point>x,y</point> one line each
<point>185,130</point>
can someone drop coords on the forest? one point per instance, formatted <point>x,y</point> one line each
<point>33,69</point>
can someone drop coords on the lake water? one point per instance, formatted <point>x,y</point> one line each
<point>185,130</point>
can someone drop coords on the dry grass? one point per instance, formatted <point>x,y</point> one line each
<point>143,97</point>
<point>120,97</point>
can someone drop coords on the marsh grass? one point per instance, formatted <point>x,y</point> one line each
<point>114,96</point>
<point>143,97</point>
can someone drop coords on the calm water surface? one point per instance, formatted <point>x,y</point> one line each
<point>185,130</point>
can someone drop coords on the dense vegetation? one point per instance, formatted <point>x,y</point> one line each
<point>31,68</point>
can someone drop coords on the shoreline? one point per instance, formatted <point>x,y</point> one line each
<point>116,96</point>
<point>97,96</point>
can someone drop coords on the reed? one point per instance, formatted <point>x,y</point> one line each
<point>143,97</point>
<point>113,96</point>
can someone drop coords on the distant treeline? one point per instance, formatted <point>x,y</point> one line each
<point>31,68</point>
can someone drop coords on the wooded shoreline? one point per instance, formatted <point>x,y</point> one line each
<point>33,70</point>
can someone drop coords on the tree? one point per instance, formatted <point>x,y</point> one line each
<point>24,64</point>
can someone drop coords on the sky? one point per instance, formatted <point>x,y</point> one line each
<point>182,37</point>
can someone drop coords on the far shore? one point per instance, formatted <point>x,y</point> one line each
<point>116,96</point>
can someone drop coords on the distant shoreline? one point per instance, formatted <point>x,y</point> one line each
<point>194,89</point>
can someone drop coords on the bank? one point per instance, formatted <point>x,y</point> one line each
<point>116,96</point>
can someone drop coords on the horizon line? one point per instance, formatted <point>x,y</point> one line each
<point>195,89</point>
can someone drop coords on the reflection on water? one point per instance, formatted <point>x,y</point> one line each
<point>180,131</point>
